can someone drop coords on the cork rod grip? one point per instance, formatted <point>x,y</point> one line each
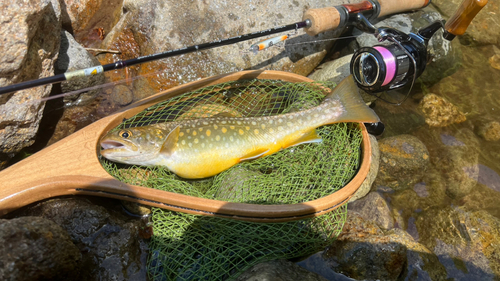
<point>322,20</point>
<point>325,19</point>
<point>458,22</point>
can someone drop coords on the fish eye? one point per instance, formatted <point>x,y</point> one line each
<point>125,133</point>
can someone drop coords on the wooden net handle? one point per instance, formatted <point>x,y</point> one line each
<point>329,18</point>
<point>458,22</point>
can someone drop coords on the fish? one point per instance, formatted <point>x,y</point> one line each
<point>204,147</point>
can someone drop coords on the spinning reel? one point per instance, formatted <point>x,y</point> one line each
<point>401,58</point>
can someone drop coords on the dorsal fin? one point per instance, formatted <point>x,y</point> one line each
<point>170,142</point>
<point>223,114</point>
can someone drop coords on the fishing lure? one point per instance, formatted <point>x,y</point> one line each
<point>268,43</point>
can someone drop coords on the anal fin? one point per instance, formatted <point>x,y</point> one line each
<point>254,154</point>
<point>308,137</point>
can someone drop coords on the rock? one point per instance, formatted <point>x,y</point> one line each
<point>489,131</point>
<point>278,270</point>
<point>111,246</point>
<point>335,70</point>
<point>439,112</point>
<point>404,159</point>
<point>33,248</point>
<point>495,61</point>
<point>483,29</point>
<point>363,251</point>
<point>374,208</point>
<point>122,95</point>
<point>457,162</point>
<point>365,187</point>
<point>467,243</point>
<point>72,56</point>
<point>148,27</point>
<point>90,21</point>
<point>31,35</point>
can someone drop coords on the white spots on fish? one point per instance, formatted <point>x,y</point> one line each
<point>190,144</point>
<point>183,142</point>
<point>217,138</point>
<point>226,144</point>
<point>224,122</point>
<point>271,121</point>
<point>216,127</point>
<point>238,122</point>
<point>205,123</point>
<point>200,129</point>
<point>231,138</point>
<point>202,145</point>
<point>196,140</point>
<point>262,126</point>
<point>254,123</point>
<point>189,137</point>
<point>289,124</point>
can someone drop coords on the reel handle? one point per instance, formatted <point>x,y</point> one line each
<point>330,18</point>
<point>460,20</point>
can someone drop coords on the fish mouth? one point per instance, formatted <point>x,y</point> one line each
<point>111,144</point>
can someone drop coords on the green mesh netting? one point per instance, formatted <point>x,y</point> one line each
<point>192,247</point>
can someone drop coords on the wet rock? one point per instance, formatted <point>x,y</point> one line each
<point>365,187</point>
<point>136,208</point>
<point>374,208</point>
<point>495,61</point>
<point>363,251</point>
<point>110,244</point>
<point>33,248</point>
<point>466,243</point>
<point>483,29</point>
<point>122,95</point>
<point>335,70</point>
<point>439,112</point>
<point>148,27</point>
<point>404,159</point>
<point>90,21</point>
<point>457,162</point>
<point>72,56</point>
<point>489,131</point>
<point>31,35</point>
<point>278,270</point>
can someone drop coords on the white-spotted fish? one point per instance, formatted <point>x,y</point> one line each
<point>200,148</point>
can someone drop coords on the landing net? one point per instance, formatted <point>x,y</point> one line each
<point>193,247</point>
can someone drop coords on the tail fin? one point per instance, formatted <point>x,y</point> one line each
<point>354,108</point>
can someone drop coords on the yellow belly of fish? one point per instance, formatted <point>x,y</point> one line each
<point>211,162</point>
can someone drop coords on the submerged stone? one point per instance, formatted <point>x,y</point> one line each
<point>439,112</point>
<point>404,160</point>
<point>34,248</point>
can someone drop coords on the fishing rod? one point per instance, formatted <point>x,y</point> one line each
<point>314,21</point>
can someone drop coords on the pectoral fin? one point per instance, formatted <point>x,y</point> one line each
<point>254,154</point>
<point>308,137</point>
<point>169,144</point>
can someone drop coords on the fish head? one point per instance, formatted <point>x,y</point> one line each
<point>139,145</point>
